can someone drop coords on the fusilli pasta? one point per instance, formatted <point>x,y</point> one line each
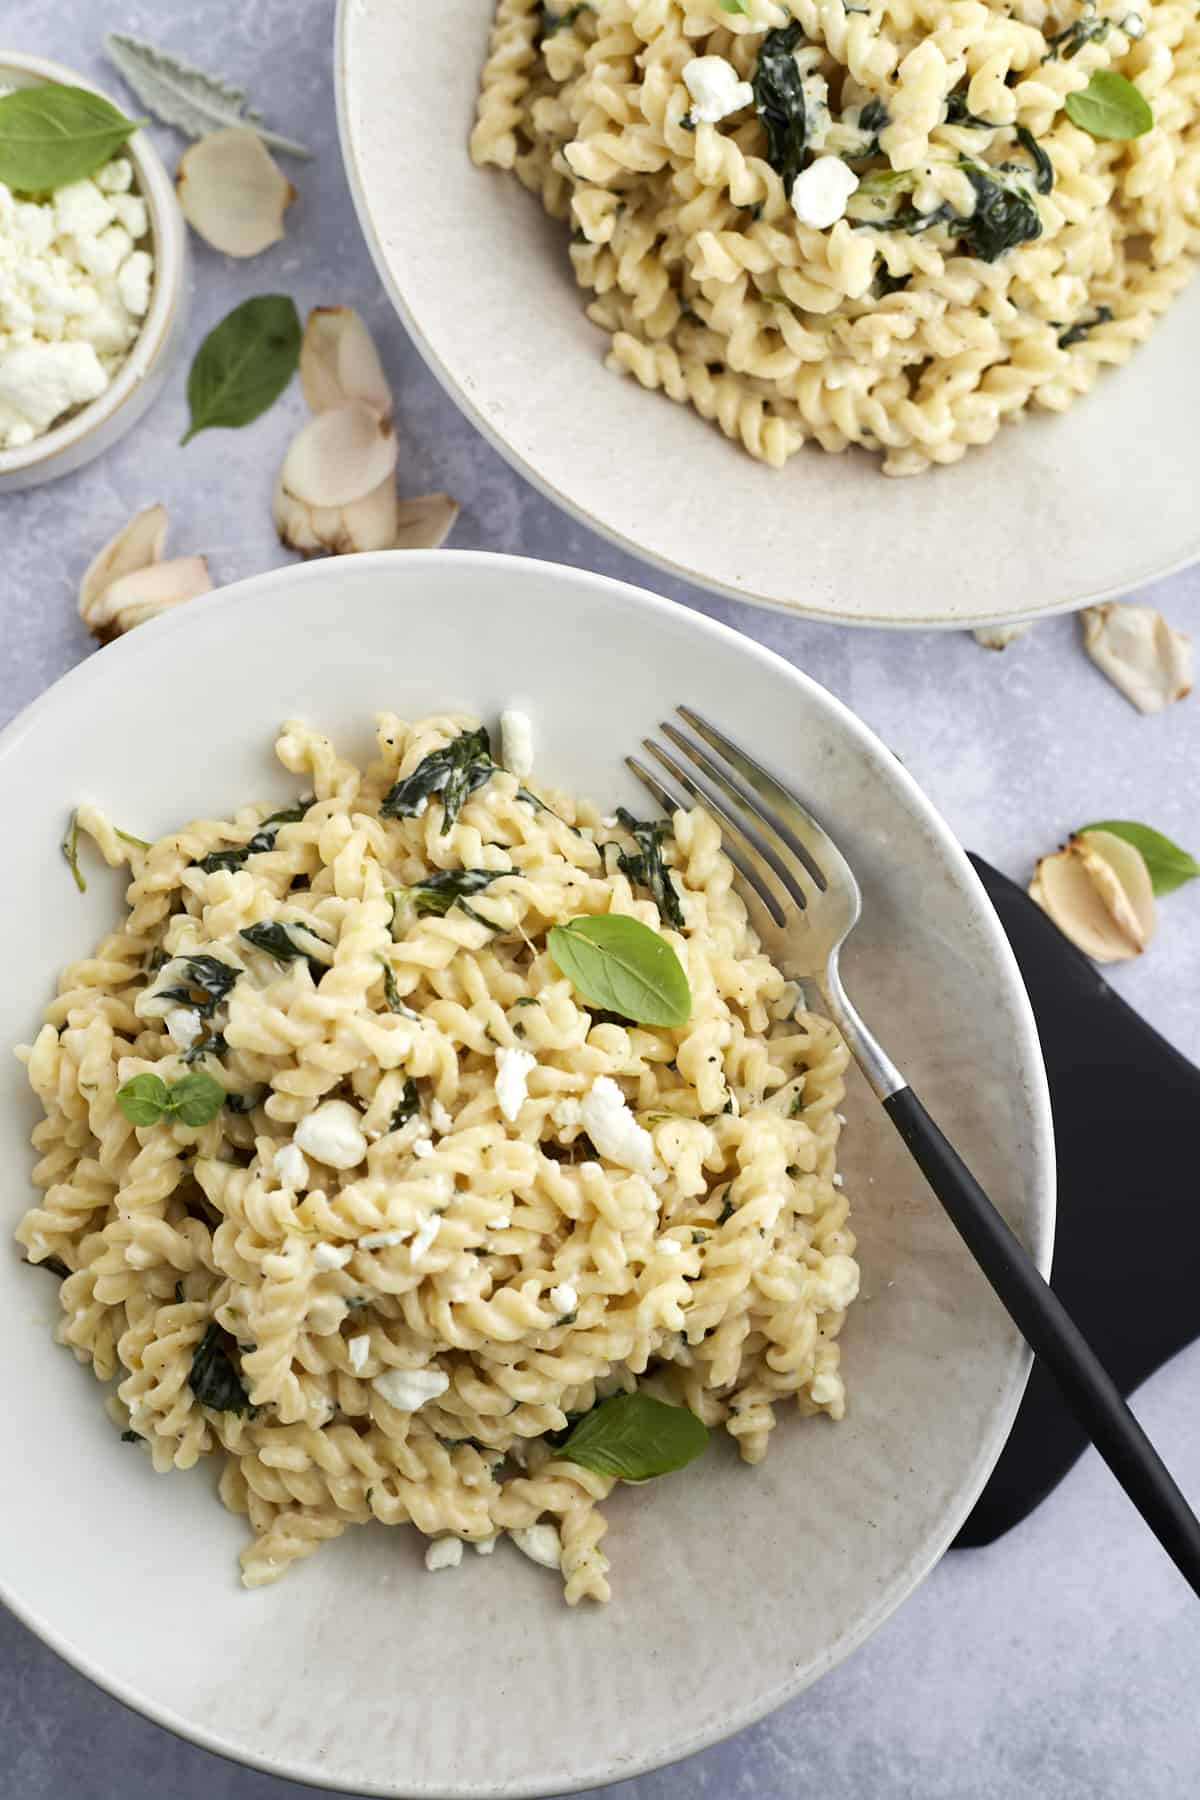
<point>919,246</point>
<point>392,1265</point>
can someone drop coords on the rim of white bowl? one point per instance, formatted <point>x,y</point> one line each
<point>168,239</point>
<point>253,590</point>
<point>473,410</point>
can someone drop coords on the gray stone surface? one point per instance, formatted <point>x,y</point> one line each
<point>1061,1662</point>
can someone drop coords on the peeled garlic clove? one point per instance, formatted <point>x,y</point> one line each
<point>144,593</point>
<point>425,522</point>
<point>1083,894</point>
<point>340,456</point>
<point>1129,866</point>
<point>999,637</point>
<point>371,523</point>
<point>294,521</point>
<point>339,363</point>
<point>233,192</point>
<point>135,546</point>
<point>1140,653</point>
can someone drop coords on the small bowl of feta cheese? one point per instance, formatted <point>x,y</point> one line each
<point>93,290</point>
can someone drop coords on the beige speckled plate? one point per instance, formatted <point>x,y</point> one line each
<point>733,1587</point>
<point>1055,513</point>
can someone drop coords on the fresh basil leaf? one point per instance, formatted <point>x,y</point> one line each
<point>442,890</point>
<point>244,364</point>
<point>52,134</point>
<point>145,1099</point>
<point>634,1437</point>
<point>211,976</point>
<point>1076,333</point>
<point>1110,107</point>
<point>454,772</point>
<point>196,1099</point>
<point>1169,866</point>
<point>214,1377</point>
<point>779,101</point>
<point>621,965</point>
<point>70,850</point>
<point>648,868</point>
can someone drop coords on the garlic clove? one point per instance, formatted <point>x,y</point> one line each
<point>424,523</point>
<point>1140,653</point>
<point>1081,891</point>
<point>233,192</point>
<point>144,593</point>
<point>339,363</point>
<point>137,544</point>
<point>372,522</point>
<point>1129,866</point>
<point>366,524</point>
<point>999,637</point>
<point>340,456</point>
<point>294,521</point>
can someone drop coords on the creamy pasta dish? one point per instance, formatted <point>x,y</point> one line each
<point>434,1151</point>
<point>895,224</point>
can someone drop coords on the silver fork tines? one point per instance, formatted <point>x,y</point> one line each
<point>800,892</point>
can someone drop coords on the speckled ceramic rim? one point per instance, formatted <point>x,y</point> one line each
<point>472,406</point>
<point>168,235</point>
<point>266,590</point>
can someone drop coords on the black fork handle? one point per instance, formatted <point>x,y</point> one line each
<point>1053,1335</point>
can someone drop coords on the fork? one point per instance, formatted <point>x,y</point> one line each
<point>793,875</point>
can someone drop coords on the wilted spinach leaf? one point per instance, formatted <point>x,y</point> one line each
<point>1043,179</point>
<point>278,942</point>
<point>454,772</point>
<point>647,869</point>
<point>1005,215</point>
<point>1076,333</point>
<point>214,1377</point>
<point>208,974</point>
<point>1071,39</point>
<point>407,1107</point>
<point>263,839</point>
<point>448,887</point>
<point>779,101</point>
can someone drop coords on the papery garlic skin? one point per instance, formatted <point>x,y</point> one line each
<point>1140,652</point>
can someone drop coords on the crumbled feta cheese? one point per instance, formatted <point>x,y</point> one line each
<point>612,1127</point>
<point>516,743</point>
<point>485,1546</point>
<point>564,1298</point>
<point>443,1553</point>
<point>67,318</point>
<point>332,1256</point>
<point>358,1349</point>
<point>716,89</point>
<point>292,1170</point>
<point>835,1284</point>
<point>540,1543</point>
<point>820,192</point>
<point>422,1148</point>
<point>381,1240</point>
<point>427,1230</point>
<point>565,1113</point>
<point>333,1134</point>
<point>408,1389</point>
<point>512,1075</point>
<point>440,1118</point>
<point>183,1027</point>
<point>839,1181</point>
<point>670,1247</point>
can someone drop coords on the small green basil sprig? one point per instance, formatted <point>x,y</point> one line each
<point>149,1100</point>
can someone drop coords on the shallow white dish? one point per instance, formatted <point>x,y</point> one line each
<point>92,429</point>
<point>733,1587</point>
<point>1054,514</point>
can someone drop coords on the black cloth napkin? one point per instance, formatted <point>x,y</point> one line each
<point>1127,1243</point>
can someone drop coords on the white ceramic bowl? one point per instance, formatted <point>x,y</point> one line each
<point>91,429</point>
<point>1055,513</point>
<point>733,1587</point>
